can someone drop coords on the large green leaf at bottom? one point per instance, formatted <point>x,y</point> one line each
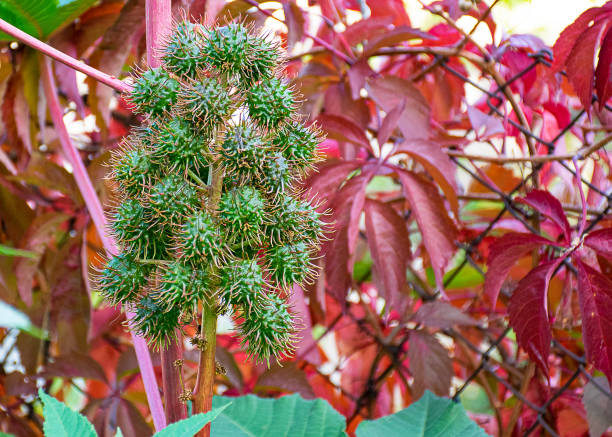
<point>430,416</point>
<point>61,421</point>
<point>40,18</point>
<point>287,416</point>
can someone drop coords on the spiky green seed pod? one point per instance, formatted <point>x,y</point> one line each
<point>243,152</point>
<point>226,48</point>
<point>154,92</point>
<point>206,103</point>
<point>171,199</point>
<point>182,53</point>
<point>176,145</point>
<point>270,103</point>
<point>123,279</point>
<point>242,283</point>
<point>133,171</point>
<point>298,144</point>
<point>156,321</point>
<point>294,220</point>
<point>290,263</point>
<point>277,175</point>
<point>269,332</point>
<point>242,209</point>
<point>182,286</point>
<point>132,229</point>
<point>199,239</point>
<point>262,61</point>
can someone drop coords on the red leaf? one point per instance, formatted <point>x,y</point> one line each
<point>390,248</point>
<point>75,365</point>
<point>485,126</point>
<point>441,315</point>
<point>342,129</point>
<point>595,297</point>
<point>504,253</point>
<point>567,39</point>
<point>580,63</point>
<point>528,314</point>
<point>388,92</point>
<point>354,193</point>
<point>436,227</point>
<point>438,165</point>
<point>394,37</point>
<point>323,184</point>
<point>357,76</point>
<point>600,241</point>
<point>549,206</point>
<point>603,73</point>
<point>130,420</point>
<point>389,123</point>
<point>366,29</point>
<point>430,364</point>
<point>288,378</point>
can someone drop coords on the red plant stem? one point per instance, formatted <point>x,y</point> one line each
<point>97,215</point>
<point>36,44</point>
<point>158,21</point>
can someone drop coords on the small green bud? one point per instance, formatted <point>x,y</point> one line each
<point>180,285</point>
<point>123,279</point>
<point>182,53</point>
<point>294,220</point>
<point>243,152</point>
<point>269,332</point>
<point>154,92</point>
<point>270,103</point>
<point>132,229</point>
<point>226,48</point>
<point>133,171</point>
<point>176,145</point>
<point>262,60</point>
<point>277,173</point>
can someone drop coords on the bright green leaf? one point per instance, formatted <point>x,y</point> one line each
<point>11,251</point>
<point>40,18</point>
<point>61,421</point>
<point>189,427</point>
<point>250,416</point>
<point>119,433</point>
<point>430,416</point>
<point>3,434</point>
<point>12,318</point>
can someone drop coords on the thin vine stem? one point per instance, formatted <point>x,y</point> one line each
<point>62,57</point>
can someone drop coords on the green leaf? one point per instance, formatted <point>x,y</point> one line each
<point>12,318</point>
<point>11,251</point>
<point>4,434</point>
<point>189,427</point>
<point>119,433</point>
<point>250,416</point>
<point>430,416</point>
<point>61,421</point>
<point>40,18</point>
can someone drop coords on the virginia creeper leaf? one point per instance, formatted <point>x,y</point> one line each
<point>288,378</point>
<point>342,129</point>
<point>504,253</point>
<point>430,416</point>
<point>603,83</point>
<point>390,248</point>
<point>430,365</point>
<point>528,313</point>
<point>595,298</point>
<point>389,123</point>
<point>600,241</point>
<point>441,315</point>
<point>549,206</point>
<point>597,402</point>
<point>436,227</point>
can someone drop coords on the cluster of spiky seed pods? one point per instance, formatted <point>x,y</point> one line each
<point>209,213</point>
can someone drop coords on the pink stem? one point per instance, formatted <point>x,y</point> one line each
<point>29,40</point>
<point>159,20</point>
<point>97,215</point>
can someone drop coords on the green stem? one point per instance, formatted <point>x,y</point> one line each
<point>201,184</point>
